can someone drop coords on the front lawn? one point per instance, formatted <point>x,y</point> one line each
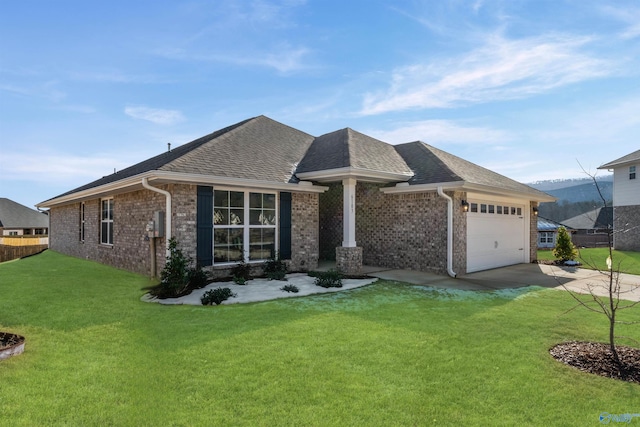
<point>386,354</point>
<point>629,261</point>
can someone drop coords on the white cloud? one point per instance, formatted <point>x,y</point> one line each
<point>439,132</point>
<point>57,168</point>
<point>155,115</point>
<point>629,16</point>
<point>284,59</point>
<point>499,70</point>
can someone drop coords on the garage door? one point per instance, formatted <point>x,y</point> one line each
<point>495,234</point>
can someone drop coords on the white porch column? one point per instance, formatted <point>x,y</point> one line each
<point>349,212</point>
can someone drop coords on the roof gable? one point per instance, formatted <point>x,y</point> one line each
<point>622,161</point>
<point>347,148</point>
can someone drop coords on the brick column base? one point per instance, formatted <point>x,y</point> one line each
<point>349,260</point>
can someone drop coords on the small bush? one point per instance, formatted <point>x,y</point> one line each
<point>177,278</point>
<point>216,296</point>
<point>290,288</point>
<point>275,268</point>
<point>239,280</point>
<point>328,279</point>
<point>564,250</point>
<point>241,272</point>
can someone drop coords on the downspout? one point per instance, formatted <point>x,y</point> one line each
<point>449,232</point>
<point>167,221</point>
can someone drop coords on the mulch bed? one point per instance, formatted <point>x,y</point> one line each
<point>7,340</point>
<point>596,358</point>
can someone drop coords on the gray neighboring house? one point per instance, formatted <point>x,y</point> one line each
<point>590,229</point>
<point>626,201</point>
<point>19,220</point>
<point>548,232</point>
<point>259,187</point>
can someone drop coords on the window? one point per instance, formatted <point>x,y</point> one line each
<point>491,209</point>
<point>244,224</point>
<point>499,210</point>
<point>519,211</point>
<point>106,222</point>
<point>483,208</point>
<point>546,237</point>
<point>81,220</point>
<point>506,210</point>
<point>632,172</point>
<point>474,207</point>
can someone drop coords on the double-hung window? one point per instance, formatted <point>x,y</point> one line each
<point>244,226</point>
<point>106,222</point>
<point>632,172</point>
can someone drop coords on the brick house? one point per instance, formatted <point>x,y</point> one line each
<point>626,201</point>
<point>260,187</point>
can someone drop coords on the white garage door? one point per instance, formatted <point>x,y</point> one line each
<point>495,234</point>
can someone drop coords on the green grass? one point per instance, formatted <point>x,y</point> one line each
<point>628,261</point>
<point>385,354</point>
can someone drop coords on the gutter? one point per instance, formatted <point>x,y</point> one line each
<point>167,221</point>
<point>449,232</point>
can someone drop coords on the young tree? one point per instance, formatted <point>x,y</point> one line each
<point>564,250</point>
<point>613,303</point>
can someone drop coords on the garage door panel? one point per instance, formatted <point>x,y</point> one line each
<point>494,240</point>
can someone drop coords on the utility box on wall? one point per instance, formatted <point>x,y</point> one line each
<point>158,224</point>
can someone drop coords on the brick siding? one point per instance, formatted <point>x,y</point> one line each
<point>132,211</point>
<point>396,230</point>
<point>626,228</point>
<point>304,231</point>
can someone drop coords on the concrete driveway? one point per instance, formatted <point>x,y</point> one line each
<point>517,276</point>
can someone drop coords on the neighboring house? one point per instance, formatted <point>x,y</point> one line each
<point>17,220</point>
<point>626,201</point>
<point>259,187</point>
<point>590,229</point>
<point>548,232</point>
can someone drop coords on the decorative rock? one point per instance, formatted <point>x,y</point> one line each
<point>10,345</point>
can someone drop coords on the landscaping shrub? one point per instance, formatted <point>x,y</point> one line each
<point>328,279</point>
<point>178,278</point>
<point>290,288</point>
<point>564,250</point>
<point>275,268</point>
<point>216,296</point>
<point>241,272</point>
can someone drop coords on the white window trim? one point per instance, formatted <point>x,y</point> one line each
<point>247,226</point>
<point>111,221</point>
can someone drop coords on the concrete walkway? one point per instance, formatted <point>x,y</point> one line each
<point>517,276</point>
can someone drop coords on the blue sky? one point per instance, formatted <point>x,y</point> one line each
<point>526,88</point>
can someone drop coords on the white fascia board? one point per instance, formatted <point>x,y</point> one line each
<point>163,177</point>
<point>302,186</point>
<point>465,186</point>
<point>486,189</point>
<point>400,188</point>
<point>368,175</point>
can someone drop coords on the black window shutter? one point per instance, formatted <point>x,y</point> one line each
<point>204,239</point>
<point>285,225</point>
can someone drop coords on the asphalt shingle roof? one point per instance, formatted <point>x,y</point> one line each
<point>15,215</point>
<point>431,165</point>
<point>263,149</point>
<point>256,148</point>
<point>595,219</point>
<point>349,148</point>
<point>629,158</point>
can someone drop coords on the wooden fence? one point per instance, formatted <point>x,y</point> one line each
<point>7,253</point>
